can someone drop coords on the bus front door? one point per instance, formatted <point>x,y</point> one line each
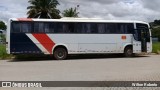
<point>143,40</point>
<point>140,40</point>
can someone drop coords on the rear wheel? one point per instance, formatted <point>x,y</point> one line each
<point>128,52</point>
<point>60,53</point>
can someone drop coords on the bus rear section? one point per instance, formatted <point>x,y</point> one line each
<point>18,41</point>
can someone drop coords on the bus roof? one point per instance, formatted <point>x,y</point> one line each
<point>78,20</point>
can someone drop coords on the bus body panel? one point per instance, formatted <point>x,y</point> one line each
<point>101,43</point>
<point>21,43</point>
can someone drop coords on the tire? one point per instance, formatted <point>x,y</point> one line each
<point>60,54</point>
<point>128,52</point>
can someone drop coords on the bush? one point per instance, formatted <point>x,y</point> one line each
<point>156,47</point>
<point>3,53</point>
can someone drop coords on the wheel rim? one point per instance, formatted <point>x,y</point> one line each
<point>129,52</point>
<point>60,54</point>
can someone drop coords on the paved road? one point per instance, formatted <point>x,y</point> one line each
<point>141,68</point>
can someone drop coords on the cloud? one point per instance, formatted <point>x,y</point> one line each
<point>115,9</point>
<point>151,4</point>
<point>12,9</point>
<point>144,10</point>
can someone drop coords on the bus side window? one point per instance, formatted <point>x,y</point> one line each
<point>59,27</point>
<point>26,27</point>
<point>65,28</point>
<point>46,28</point>
<point>39,27</point>
<point>52,27</point>
<point>78,27</point>
<point>101,28</point>
<point>122,28</point>
<point>130,28</point>
<point>71,27</point>
<point>112,28</point>
<point>16,27</point>
<point>94,28</point>
<point>106,29</point>
<point>88,27</point>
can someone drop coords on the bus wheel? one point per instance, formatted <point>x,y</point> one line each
<point>128,52</point>
<point>60,54</point>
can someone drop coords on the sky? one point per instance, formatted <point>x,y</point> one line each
<point>143,10</point>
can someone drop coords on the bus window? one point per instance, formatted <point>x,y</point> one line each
<point>79,28</point>
<point>146,31</point>
<point>130,28</point>
<point>125,28</point>
<point>49,27</point>
<point>39,27</point>
<point>16,27</point>
<point>46,28</point>
<point>71,27</point>
<point>101,28</point>
<point>88,27</point>
<point>111,28</point>
<point>94,28</point>
<point>26,27</point>
<point>59,27</point>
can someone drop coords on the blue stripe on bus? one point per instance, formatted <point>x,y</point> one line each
<point>22,44</point>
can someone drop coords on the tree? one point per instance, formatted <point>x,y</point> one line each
<point>71,12</point>
<point>2,25</point>
<point>155,29</point>
<point>156,32</point>
<point>157,22</point>
<point>43,9</point>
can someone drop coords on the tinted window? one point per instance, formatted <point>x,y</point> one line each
<point>59,28</point>
<point>101,28</point>
<point>79,28</point>
<point>26,27</point>
<point>94,28</point>
<point>16,27</point>
<point>85,28</point>
<point>142,29</point>
<point>125,28</point>
<point>111,28</point>
<point>39,27</point>
<point>45,27</point>
<point>71,27</point>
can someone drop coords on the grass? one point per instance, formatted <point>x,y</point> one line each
<point>156,47</point>
<point>3,53</point>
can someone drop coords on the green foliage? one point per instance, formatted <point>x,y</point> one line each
<point>157,22</point>
<point>3,53</point>
<point>71,12</point>
<point>156,48</point>
<point>155,28</point>
<point>2,25</point>
<point>156,32</point>
<point>43,9</point>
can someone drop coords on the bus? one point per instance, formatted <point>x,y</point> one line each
<point>62,37</point>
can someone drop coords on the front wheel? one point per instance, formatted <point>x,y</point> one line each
<point>128,52</point>
<point>60,54</point>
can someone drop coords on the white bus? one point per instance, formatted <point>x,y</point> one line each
<point>61,37</point>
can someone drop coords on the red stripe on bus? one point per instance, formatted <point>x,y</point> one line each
<point>24,19</point>
<point>46,42</point>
